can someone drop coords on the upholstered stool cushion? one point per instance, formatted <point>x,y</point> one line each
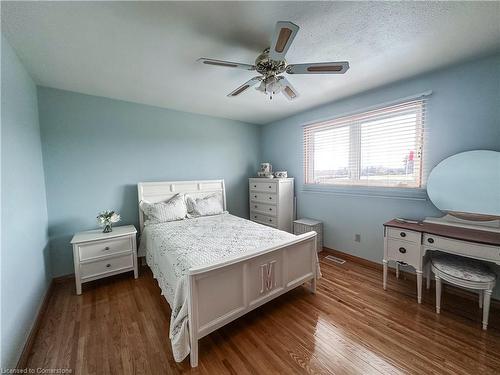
<point>463,268</point>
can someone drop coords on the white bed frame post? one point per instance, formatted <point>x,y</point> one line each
<point>222,292</point>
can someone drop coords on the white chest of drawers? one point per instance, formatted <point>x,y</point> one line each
<point>97,255</point>
<point>271,202</point>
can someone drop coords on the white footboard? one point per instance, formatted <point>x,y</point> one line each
<point>222,293</point>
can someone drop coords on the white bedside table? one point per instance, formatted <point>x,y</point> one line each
<point>97,255</point>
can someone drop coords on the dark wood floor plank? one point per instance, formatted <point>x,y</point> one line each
<point>351,326</point>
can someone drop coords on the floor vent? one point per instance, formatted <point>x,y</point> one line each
<point>335,259</point>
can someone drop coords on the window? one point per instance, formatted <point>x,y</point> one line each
<point>382,147</point>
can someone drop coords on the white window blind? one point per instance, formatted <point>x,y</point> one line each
<point>381,147</point>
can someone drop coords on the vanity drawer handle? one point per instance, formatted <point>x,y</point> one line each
<point>402,250</point>
<point>108,265</point>
<point>106,248</point>
<point>402,234</point>
<point>430,240</point>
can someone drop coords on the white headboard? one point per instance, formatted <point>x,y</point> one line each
<point>164,190</point>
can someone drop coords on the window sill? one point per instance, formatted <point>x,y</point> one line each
<point>368,191</point>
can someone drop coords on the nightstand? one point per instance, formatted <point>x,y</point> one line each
<point>97,255</point>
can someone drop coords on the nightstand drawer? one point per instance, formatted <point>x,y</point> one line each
<point>404,234</point>
<point>267,209</point>
<point>104,248</point>
<point>403,251</point>
<point>263,219</point>
<point>263,197</point>
<point>108,265</point>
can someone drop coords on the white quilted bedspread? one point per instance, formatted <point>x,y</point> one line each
<point>173,248</point>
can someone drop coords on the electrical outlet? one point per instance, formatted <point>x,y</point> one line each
<point>357,237</point>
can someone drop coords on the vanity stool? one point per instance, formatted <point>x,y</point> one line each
<point>467,273</point>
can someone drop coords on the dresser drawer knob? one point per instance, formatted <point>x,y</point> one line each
<point>402,250</point>
<point>255,196</point>
<point>430,240</point>
<point>402,234</point>
<point>270,186</point>
<point>108,265</point>
<point>255,186</point>
<point>271,220</point>
<point>270,208</point>
<point>255,217</point>
<point>270,197</point>
<point>256,206</point>
<point>106,248</point>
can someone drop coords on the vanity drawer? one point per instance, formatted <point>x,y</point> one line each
<point>107,265</point>
<point>403,234</point>
<point>267,209</point>
<point>471,249</point>
<point>404,251</point>
<point>104,248</point>
<point>263,197</point>
<point>263,186</point>
<point>263,219</point>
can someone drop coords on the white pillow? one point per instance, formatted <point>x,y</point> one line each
<point>209,205</point>
<point>161,212</point>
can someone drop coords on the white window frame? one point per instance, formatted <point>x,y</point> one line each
<point>354,122</point>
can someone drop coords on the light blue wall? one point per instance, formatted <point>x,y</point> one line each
<point>25,264</point>
<point>463,114</point>
<point>96,150</point>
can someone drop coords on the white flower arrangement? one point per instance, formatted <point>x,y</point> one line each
<point>107,218</point>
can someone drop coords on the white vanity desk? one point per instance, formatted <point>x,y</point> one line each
<point>409,243</point>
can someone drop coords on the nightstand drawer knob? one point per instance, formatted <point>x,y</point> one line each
<point>106,248</point>
<point>402,250</point>
<point>402,234</point>
<point>430,240</point>
<point>108,265</point>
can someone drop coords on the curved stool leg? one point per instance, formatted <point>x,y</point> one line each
<point>438,294</point>
<point>428,275</point>
<point>486,307</point>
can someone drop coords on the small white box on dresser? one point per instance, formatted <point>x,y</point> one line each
<point>271,202</point>
<point>97,254</point>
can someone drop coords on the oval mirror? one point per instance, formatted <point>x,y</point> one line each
<point>467,185</point>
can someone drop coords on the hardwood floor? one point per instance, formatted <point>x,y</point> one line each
<point>351,326</point>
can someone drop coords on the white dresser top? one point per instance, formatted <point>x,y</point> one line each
<point>97,234</point>
<point>265,179</point>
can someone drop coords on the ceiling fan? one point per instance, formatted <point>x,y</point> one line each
<point>271,64</point>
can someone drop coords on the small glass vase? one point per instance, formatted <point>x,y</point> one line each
<point>107,228</point>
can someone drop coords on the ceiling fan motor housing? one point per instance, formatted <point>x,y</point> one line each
<point>267,67</point>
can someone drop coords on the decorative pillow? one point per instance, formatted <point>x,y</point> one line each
<point>209,205</point>
<point>161,212</point>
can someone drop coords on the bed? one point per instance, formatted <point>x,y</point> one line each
<point>214,269</point>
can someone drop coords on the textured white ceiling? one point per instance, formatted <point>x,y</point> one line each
<point>146,52</point>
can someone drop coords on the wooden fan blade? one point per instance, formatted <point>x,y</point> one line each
<point>245,86</point>
<point>283,37</point>
<point>226,64</point>
<point>339,67</point>
<point>288,90</point>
